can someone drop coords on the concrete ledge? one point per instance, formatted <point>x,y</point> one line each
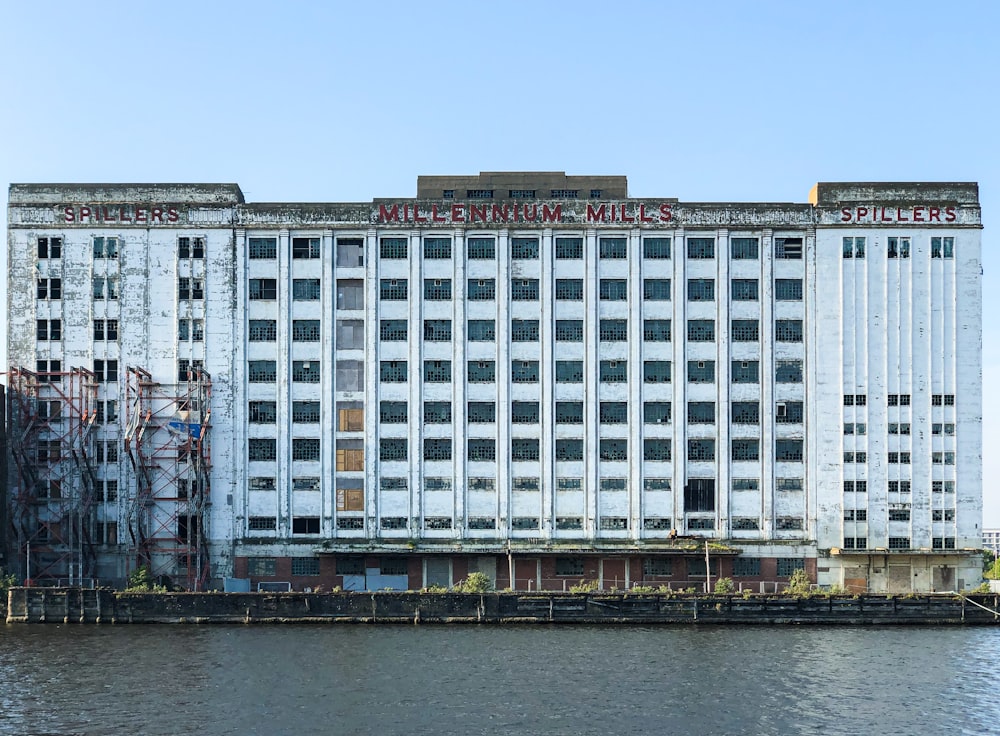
<point>78,605</point>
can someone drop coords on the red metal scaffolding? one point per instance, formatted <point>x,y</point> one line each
<point>50,417</point>
<point>167,443</point>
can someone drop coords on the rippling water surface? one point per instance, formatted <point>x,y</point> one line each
<point>485,680</point>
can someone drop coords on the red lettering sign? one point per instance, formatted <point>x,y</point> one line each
<point>879,215</point>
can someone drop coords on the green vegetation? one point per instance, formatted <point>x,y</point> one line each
<point>993,571</point>
<point>7,581</point>
<point>584,586</point>
<point>141,581</point>
<point>476,582</point>
<point>725,586</point>
<point>799,584</point>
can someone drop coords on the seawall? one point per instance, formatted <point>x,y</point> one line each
<point>103,606</point>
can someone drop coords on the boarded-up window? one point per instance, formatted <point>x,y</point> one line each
<point>350,499</point>
<point>351,420</point>
<point>350,455</point>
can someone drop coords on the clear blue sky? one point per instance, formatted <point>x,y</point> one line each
<point>333,101</point>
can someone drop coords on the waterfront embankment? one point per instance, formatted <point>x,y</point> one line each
<point>104,606</point>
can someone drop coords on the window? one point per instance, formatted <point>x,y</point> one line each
<point>306,330</point>
<point>569,371</point>
<point>700,248</point>
<point>746,567</point>
<point>656,371</point>
<point>745,371</point>
<point>701,412</point>
<point>854,247</point>
<point>569,248</point>
<point>187,329</point>
<point>613,412</point>
<point>305,290</point>
<point>524,523</point>
<point>569,330</point>
<point>393,248</point>
<point>350,252</point>
<point>49,288</point>
<point>656,484</point>
<point>437,248</point>
<point>437,412</point>
<point>701,290</point>
<point>482,485</point>
<point>482,330</point>
<point>261,524</point>
<point>857,515</point>
<point>524,412</point>
<point>569,566</point>
<point>482,371</point>
<point>262,448</point>
<point>108,247</point>
<point>350,294</point>
<point>656,290</point>
<point>479,194</point>
<point>437,330</point>
<point>261,484</point>
<point>565,193</point>
<point>437,289</point>
<point>788,290</point>
<point>746,330</point>
<point>614,290</point>
<point>745,290</point>
<point>263,330</point>
<point>613,371</point>
<point>656,450</point>
<point>653,412</point>
<point>788,565</point>
<point>524,290</point>
<point>569,484</point>
<point>788,451</point>
<point>656,248</point>
<point>305,449</point>
<point>262,248</point>
<point>569,290</point>
<point>393,330</point>
<point>569,449</point>
<point>106,287</point>
<point>788,371</point>
<point>258,289</point>
<point>899,515</point>
<point>48,329</point>
<point>307,412</point>
<point>482,290</point>
<point>263,412</point>
<point>613,330</point>
<point>788,412</point>
<point>940,247</point>
<point>107,370</point>
<point>482,450</point>
<point>789,249</point>
<point>524,371</point>
<point>188,248</point>
<point>613,450</point>
<point>396,290</point>
<point>897,486</point>
<point>612,248</point>
<point>524,330</point>
<point>305,565</point>
<point>262,371</point>
<point>745,412</point>
<point>523,449</point>
<point>899,542</point>
<point>392,371</point>
<point>49,248</point>
<point>43,367</point>
<point>656,330</point>
<point>393,412</point>
<point>305,525</point>
<point>305,248</point>
<point>904,428</point>
<point>746,484</point>
<point>481,249</point>
<point>392,449</point>
<point>897,247</point>
<point>701,330</point>
<point>524,248</point>
<point>437,371</point>
<point>745,449</point>
<point>529,485</point>
<point>788,330</point>
<point>305,371</point>
<point>261,566</point>
<point>701,371</point>
<point>437,449</point>
<point>569,412</point>
<point>788,523</point>
<point>744,249</point>
<point>703,449</point>
<point>699,494</point>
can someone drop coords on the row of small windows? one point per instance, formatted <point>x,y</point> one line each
<point>899,486</point>
<point>49,371</point>
<point>899,428</point>
<point>898,400</point>
<point>899,247</point>
<point>901,458</point>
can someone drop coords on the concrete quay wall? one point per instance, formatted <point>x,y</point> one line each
<point>78,605</point>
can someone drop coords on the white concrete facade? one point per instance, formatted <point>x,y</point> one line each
<point>605,376</point>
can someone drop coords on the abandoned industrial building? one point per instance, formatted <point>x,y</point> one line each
<point>529,375</point>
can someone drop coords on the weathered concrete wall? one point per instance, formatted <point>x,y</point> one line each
<point>75,605</point>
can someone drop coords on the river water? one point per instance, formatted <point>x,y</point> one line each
<point>572,680</point>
